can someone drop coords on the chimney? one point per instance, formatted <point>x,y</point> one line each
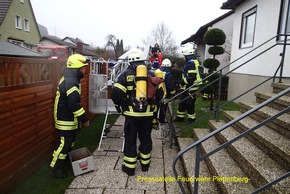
<point>80,46</point>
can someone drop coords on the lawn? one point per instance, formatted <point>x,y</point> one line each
<point>41,181</point>
<point>201,109</point>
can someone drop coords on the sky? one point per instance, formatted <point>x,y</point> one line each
<point>129,20</point>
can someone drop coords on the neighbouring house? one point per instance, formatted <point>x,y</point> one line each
<point>54,40</point>
<point>224,22</point>
<point>18,24</point>
<point>81,47</point>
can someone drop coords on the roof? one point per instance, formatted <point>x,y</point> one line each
<point>232,4</point>
<point>58,41</point>
<point>198,36</point>
<point>8,49</point>
<point>4,6</point>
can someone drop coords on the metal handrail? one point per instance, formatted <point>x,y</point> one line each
<point>217,109</point>
<point>197,144</point>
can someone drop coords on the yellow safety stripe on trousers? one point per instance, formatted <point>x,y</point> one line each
<point>121,87</point>
<point>144,162</point>
<point>79,112</point>
<point>145,158</point>
<point>72,90</point>
<point>180,114</point>
<point>129,165</point>
<point>129,159</point>
<point>56,153</point>
<point>130,162</point>
<point>138,114</point>
<point>191,116</point>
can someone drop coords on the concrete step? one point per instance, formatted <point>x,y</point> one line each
<point>206,184</point>
<point>279,87</point>
<point>257,165</point>
<point>281,124</point>
<point>279,104</point>
<point>271,142</point>
<point>225,171</point>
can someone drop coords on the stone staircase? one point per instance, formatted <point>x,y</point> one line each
<point>250,162</point>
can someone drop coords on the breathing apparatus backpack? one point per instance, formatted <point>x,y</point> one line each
<point>146,87</point>
<point>141,79</point>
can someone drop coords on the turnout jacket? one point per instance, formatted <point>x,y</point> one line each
<point>67,108</point>
<point>168,80</point>
<point>191,74</point>
<point>124,93</point>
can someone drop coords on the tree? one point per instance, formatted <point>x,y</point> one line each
<point>163,36</point>
<point>214,37</point>
<point>116,44</point>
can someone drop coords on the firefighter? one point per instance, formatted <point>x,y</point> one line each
<point>191,78</point>
<point>164,72</point>
<point>135,95</point>
<point>68,111</point>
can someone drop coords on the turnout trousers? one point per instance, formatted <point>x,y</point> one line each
<point>66,140</point>
<point>141,128</point>
<point>187,104</point>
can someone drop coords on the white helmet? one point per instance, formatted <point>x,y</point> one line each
<point>188,50</point>
<point>166,63</point>
<point>136,55</point>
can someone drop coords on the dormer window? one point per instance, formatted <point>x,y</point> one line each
<point>21,1</point>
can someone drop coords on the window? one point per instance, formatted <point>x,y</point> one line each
<point>248,28</point>
<point>18,22</point>
<point>284,23</point>
<point>21,1</point>
<point>26,25</point>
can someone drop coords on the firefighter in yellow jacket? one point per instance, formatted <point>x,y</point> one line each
<point>68,111</point>
<point>135,95</point>
<point>191,79</point>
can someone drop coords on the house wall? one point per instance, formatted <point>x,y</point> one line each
<point>266,27</point>
<point>8,29</point>
<point>226,25</point>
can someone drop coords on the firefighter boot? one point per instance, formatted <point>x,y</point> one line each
<point>190,121</point>
<point>178,119</point>
<point>128,171</point>
<point>55,169</point>
<point>145,168</point>
<point>57,173</point>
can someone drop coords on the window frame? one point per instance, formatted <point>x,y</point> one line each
<point>244,27</point>
<point>26,25</point>
<point>284,19</point>
<point>18,23</point>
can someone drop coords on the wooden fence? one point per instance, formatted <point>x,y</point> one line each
<point>27,133</point>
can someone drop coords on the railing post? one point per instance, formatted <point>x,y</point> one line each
<point>172,132</point>
<point>217,112</point>
<point>196,170</point>
<point>283,57</point>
